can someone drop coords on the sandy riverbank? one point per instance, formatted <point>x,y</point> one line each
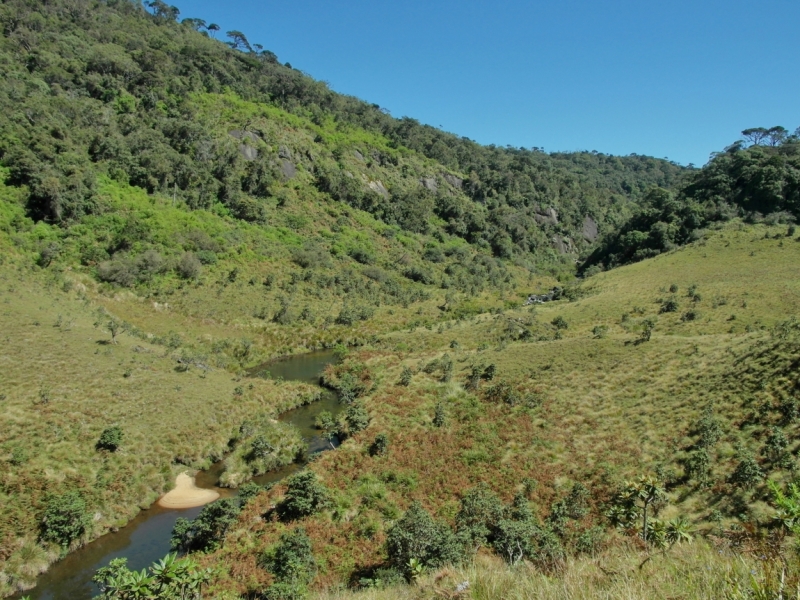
<point>186,494</point>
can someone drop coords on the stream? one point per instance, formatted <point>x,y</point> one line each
<point>146,538</point>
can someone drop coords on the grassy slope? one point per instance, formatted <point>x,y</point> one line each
<point>52,347</point>
<point>609,408</point>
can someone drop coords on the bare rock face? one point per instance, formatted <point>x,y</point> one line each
<point>546,216</point>
<point>589,229</point>
<point>248,152</point>
<point>453,180</point>
<point>377,186</point>
<point>430,183</point>
<point>358,155</point>
<point>562,244</point>
<point>288,169</point>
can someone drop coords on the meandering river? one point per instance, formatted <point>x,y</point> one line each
<point>146,538</point>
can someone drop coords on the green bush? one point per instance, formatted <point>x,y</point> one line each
<point>405,376</point>
<point>356,417</point>
<point>208,529</point>
<point>480,512</point>
<point>305,496</point>
<point>380,445</point>
<point>110,439</point>
<point>417,536</point>
<point>66,519</point>
<point>291,560</point>
<point>189,266</point>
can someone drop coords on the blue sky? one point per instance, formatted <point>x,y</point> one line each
<point>674,79</point>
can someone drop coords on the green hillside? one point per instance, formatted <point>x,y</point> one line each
<point>175,210</point>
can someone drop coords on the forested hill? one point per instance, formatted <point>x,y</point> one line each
<point>139,95</point>
<point>757,178</point>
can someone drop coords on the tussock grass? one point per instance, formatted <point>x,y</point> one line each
<point>690,571</point>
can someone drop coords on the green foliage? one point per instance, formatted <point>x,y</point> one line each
<point>747,472</point>
<point>633,501</point>
<point>291,562</point>
<point>559,322</point>
<point>356,417</point>
<point>66,518</point>
<point>669,305</point>
<point>305,496</point>
<point>480,512</point>
<point>709,429</point>
<point>405,376</point>
<point>170,577</point>
<point>208,529</point>
<point>698,465</point>
<point>110,439</point>
<point>439,415</point>
<point>417,536</point>
<point>380,445</point>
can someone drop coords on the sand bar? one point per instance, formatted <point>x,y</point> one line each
<point>186,494</point>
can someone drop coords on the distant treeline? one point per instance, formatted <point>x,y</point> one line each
<point>757,178</point>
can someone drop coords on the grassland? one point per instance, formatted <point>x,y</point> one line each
<point>574,405</point>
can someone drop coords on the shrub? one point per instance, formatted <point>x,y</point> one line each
<point>419,275</point>
<point>416,536</point>
<point>380,445</point>
<point>362,255</point>
<point>405,376</point>
<point>208,529</point>
<point>305,496</point>
<point>690,315</point>
<point>66,518</point>
<point>439,416</point>
<point>709,429</point>
<point>357,418</point>
<point>291,560</point>
<point>480,512</point>
<point>669,305</point>
<point>189,266</point>
<point>559,322</point>
<point>110,439</point>
<point>698,465</point>
<point>350,315</point>
<point>747,473</point>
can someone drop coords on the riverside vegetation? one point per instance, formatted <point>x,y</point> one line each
<point>175,211</point>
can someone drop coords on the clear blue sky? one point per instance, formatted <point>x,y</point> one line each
<point>677,79</point>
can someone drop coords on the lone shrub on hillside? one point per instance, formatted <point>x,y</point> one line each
<point>189,267</point>
<point>417,536</point>
<point>305,496</point>
<point>380,446</point>
<point>110,439</point>
<point>669,305</point>
<point>65,519</point>
<point>439,416</point>
<point>291,562</point>
<point>747,473</point>
<point>709,429</point>
<point>559,322</point>
<point>406,376</point>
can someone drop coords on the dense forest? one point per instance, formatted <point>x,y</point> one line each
<point>108,88</point>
